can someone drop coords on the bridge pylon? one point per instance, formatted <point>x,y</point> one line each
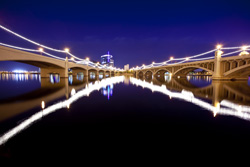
<point>217,75</point>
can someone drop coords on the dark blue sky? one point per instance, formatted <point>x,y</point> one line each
<point>135,32</point>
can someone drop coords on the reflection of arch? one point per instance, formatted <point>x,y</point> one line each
<point>185,84</point>
<point>187,69</point>
<point>242,71</point>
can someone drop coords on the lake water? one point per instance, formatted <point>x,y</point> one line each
<point>62,117</point>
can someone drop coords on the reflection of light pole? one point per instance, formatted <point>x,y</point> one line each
<point>42,106</point>
<point>87,59</point>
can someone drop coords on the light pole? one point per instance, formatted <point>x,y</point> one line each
<point>66,51</point>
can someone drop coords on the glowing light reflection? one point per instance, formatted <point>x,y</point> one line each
<point>62,104</point>
<point>224,107</point>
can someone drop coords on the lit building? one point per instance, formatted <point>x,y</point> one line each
<point>126,67</point>
<point>107,60</point>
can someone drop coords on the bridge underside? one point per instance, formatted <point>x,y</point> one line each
<point>47,68</point>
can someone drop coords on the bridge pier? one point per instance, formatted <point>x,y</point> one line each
<point>217,66</point>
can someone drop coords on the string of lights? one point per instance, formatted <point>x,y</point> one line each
<point>90,63</point>
<point>66,50</point>
<point>194,57</point>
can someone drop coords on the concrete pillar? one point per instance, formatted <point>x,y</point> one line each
<point>217,65</point>
<point>231,65</point>
<point>97,75</point>
<point>66,75</point>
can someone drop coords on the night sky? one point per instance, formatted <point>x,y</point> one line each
<point>134,32</point>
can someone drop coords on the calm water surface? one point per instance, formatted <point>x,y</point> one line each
<point>62,117</point>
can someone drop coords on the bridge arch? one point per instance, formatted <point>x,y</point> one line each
<point>182,72</point>
<point>147,72</point>
<point>242,71</point>
<point>78,69</point>
<point>163,70</point>
<point>107,73</point>
<point>139,74</point>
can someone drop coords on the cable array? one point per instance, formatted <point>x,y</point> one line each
<point>171,61</point>
<point>174,61</point>
<point>73,57</point>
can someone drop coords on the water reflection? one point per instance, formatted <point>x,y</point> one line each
<point>19,77</point>
<point>92,75</point>
<point>219,97</point>
<point>54,78</point>
<point>80,76</point>
<point>70,79</point>
<point>200,81</point>
<point>107,90</point>
<point>97,85</point>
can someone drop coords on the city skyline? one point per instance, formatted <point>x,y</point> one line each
<point>135,33</point>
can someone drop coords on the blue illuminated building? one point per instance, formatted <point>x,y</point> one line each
<point>107,60</point>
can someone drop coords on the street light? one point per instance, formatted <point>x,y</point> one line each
<point>171,58</point>
<point>244,48</point>
<point>41,50</point>
<point>66,50</point>
<point>244,52</point>
<point>219,46</point>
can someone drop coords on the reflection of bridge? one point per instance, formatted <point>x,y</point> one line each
<point>48,92</point>
<point>50,65</point>
<point>218,106</point>
<point>46,110</point>
<point>224,95</point>
<point>234,67</point>
<point>237,91</point>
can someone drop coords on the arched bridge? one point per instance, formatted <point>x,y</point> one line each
<point>226,68</point>
<point>50,65</point>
